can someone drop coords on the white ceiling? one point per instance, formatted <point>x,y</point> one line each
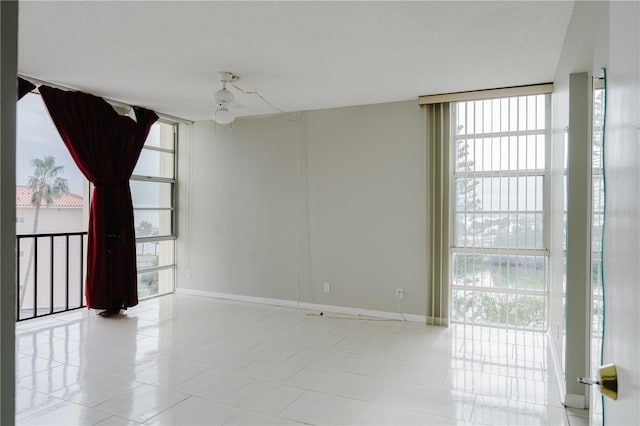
<point>299,55</point>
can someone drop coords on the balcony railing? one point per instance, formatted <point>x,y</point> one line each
<point>50,273</point>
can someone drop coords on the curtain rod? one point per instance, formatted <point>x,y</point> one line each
<point>113,102</point>
<point>474,95</point>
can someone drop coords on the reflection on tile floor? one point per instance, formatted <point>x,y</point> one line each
<point>189,360</point>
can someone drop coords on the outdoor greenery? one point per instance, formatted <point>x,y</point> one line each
<point>146,229</point>
<point>148,284</point>
<point>500,272</point>
<point>522,311</point>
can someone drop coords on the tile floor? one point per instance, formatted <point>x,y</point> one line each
<point>184,360</point>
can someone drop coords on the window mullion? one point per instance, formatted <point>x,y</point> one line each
<point>153,191</point>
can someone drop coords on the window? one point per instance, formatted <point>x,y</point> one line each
<point>153,195</point>
<point>499,242</point>
<point>36,139</point>
<point>152,189</point>
<point>51,263</point>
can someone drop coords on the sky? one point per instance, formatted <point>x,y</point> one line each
<point>37,137</point>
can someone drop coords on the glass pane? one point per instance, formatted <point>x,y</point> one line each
<point>153,223</point>
<point>524,113</point>
<point>155,283</point>
<point>155,164</point>
<point>37,139</point>
<point>509,231</point>
<point>151,194</point>
<point>161,135</point>
<point>490,194</point>
<point>525,152</point>
<point>499,271</point>
<point>155,253</point>
<point>488,308</point>
<point>461,118</point>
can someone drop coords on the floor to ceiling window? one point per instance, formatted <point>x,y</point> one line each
<point>153,194</point>
<point>499,236</point>
<point>51,240</point>
<point>50,229</point>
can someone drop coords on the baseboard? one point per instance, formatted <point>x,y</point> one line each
<point>307,306</point>
<point>437,321</point>
<point>560,380</point>
<point>574,401</point>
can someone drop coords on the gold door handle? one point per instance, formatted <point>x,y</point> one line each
<point>608,381</point>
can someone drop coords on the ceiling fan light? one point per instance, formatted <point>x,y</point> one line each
<point>223,116</point>
<point>223,95</point>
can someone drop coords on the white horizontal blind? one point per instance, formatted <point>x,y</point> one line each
<point>499,244</point>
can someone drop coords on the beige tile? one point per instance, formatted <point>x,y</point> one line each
<point>195,411</point>
<point>321,379</point>
<point>272,370</point>
<point>260,364</point>
<point>142,403</point>
<point>254,418</point>
<point>214,385</point>
<point>268,398</point>
<point>65,413</point>
<point>502,411</point>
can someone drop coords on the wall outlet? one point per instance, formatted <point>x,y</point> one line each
<point>188,273</point>
<point>399,293</point>
<point>327,287</point>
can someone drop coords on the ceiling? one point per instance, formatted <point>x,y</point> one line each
<point>299,55</point>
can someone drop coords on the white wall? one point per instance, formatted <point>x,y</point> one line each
<point>622,232</point>
<point>606,34</point>
<point>349,180</point>
<point>366,202</point>
<point>52,219</point>
<point>243,208</point>
<point>584,50</point>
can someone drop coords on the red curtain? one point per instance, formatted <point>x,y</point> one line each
<point>105,146</point>
<point>24,87</point>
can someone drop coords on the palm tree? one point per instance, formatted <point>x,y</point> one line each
<point>46,186</point>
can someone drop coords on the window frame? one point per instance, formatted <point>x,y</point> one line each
<point>173,182</point>
<point>543,252</point>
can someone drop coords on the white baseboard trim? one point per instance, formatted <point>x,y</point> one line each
<point>437,321</point>
<point>574,401</point>
<point>558,368</point>
<point>307,306</point>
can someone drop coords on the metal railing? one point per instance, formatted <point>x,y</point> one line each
<point>58,295</point>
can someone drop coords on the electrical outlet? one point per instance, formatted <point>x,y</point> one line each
<point>327,287</point>
<point>399,293</point>
<point>188,273</point>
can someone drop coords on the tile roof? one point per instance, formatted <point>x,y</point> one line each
<point>23,199</point>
